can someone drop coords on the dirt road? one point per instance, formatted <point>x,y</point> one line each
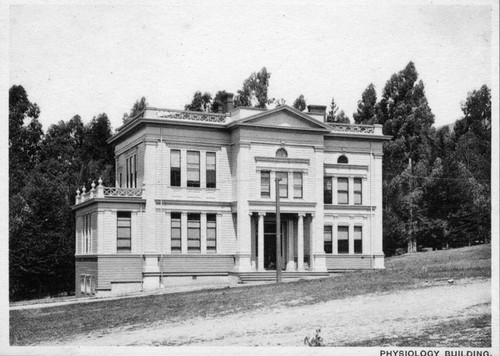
<point>354,319</point>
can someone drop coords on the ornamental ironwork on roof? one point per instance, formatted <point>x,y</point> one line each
<point>348,128</point>
<point>191,116</point>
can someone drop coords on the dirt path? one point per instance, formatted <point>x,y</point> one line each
<point>354,319</point>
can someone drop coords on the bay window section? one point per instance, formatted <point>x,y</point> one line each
<point>211,170</point>
<point>343,190</point>
<point>358,239</point>
<point>193,232</point>
<point>211,232</point>
<point>193,169</point>
<point>327,190</point>
<point>175,168</point>
<point>265,184</point>
<point>297,185</point>
<point>343,239</point>
<point>358,194</point>
<point>282,184</point>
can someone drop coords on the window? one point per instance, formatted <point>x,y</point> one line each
<point>175,168</point>
<point>131,167</point>
<point>281,153</point>
<point>87,233</point>
<point>343,239</point>
<point>175,232</point>
<point>120,180</point>
<point>283,184</point>
<point>358,194</point>
<point>328,239</point>
<point>211,232</point>
<point>342,159</point>
<point>265,184</point>
<point>358,239</point>
<point>123,235</point>
<point>343,190</point>
<point>193,169</point>
<point>297,185</point>
<point>193,232</point>
<point>211,169</point>
<point>327,190</point>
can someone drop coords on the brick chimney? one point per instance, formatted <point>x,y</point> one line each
<point>316,109</point>
<point>228,103</point>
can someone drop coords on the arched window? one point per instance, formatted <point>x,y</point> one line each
<point>342,159</point>
<point>281,153</point>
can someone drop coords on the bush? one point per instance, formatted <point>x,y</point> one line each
<point>315,341</point>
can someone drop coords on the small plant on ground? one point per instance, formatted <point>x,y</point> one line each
<point>315,341</point>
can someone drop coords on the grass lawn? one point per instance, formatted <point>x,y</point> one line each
<point>402,272</point>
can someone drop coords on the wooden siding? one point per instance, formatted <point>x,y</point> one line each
<point>198,263</point>
<point>346,262</point>
<point>119,268</point>
<point>84,265</point>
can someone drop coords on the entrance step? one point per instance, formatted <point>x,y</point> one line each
<point>268,276</point>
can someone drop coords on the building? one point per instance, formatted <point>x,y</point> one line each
<point>194,200</point>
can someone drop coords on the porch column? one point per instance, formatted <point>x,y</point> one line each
<point>290,266</point>
<point>300,243</point>
<point>260,236</point>
<point>311,243</point>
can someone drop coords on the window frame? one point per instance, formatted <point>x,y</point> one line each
<point>358,193</point>
<point>328,245</point>
<point>342,192</point>
<point>281,184</point>
<point>358,239</point>
<point>193,183</point>
<point>126,217</point>
<point>341,249</point>
<point>175,172</point>
<point>211,225</point>
<point>265,193</point>
<point>211,172</point>
<point>176,227</point>
<point>327,193</point>
<point>298,186</point>
<point>190,230</point>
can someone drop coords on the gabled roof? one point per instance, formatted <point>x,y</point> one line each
<point>296,119</point>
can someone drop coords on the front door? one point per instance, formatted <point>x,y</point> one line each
<point>270,244</point>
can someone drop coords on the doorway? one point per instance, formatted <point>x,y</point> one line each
<point>270,244</point>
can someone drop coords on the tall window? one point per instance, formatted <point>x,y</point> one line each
<point>123,234</point>
<point>193,169</point>
<point>87,233</point>
<point>283,184</point>
<point>358,194</point>
<point>343,239</point>
<point>211,232</point>
<point>328,239</point>
<point>175,232</point>
<point>358,239</point>
<point>343,190</point>
<point>131,167</point>
<point>175,168</point>
<point>211,169</point>
<point>265,184</point>
<point>327,190</point>
<point>297,185</point>
<point>120,180</point>
<point>193,232</point>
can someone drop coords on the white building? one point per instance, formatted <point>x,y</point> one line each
<point>194,200</point>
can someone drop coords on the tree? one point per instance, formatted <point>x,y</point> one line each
<point>254,91</point>
<point>200,102</point>
<point>342,118</point>
<point>366,107</point>
<point>218,101</point>
<point>137,108</point>
<point>332,114</point>
<point>300,103</point>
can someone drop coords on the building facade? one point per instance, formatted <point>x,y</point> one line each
<point>194,200</point>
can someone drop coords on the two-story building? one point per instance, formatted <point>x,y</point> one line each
<point>194,200</point>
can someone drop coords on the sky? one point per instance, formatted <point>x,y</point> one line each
<point>90,59</point>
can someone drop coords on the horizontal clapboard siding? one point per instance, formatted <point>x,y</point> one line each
<point>338,262</point>
<point>198,263</point>
<point>119,269</point>
<point>84,265</point>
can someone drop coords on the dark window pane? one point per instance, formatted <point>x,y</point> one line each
<point>265,181</point>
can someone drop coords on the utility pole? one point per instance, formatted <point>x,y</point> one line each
<point>278,232</point>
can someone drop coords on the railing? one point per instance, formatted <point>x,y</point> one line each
<point>192,116</point>
<point>103,192</point>
<point>348,128</point>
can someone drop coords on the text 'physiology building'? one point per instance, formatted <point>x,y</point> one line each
<point>194,200</point>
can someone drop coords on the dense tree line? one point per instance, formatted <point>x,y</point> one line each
<point>45,169</point>
<point>436,183</point>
